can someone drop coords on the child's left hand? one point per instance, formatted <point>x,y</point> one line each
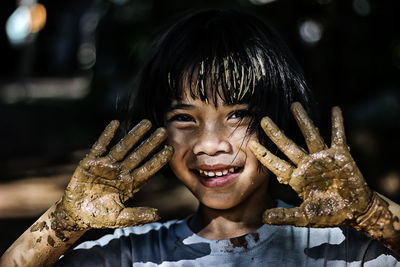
<point>327,179</point>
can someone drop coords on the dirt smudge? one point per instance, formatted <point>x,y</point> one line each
<point>50,241</point>
<point>239,242</point>
<point>256,237</point>
<point>39,226</point>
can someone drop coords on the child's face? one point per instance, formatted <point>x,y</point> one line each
<point>211,156</point>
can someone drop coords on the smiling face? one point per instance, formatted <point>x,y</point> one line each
<point>211,156</point>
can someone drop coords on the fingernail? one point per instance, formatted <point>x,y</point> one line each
<point>145,122</point>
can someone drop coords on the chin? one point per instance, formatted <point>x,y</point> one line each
<point>218,203</point>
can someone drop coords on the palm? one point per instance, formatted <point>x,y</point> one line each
<point>84,198</point>
<point>327,179</point>
<point>102,183</point>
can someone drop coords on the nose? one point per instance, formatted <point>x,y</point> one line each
<point>211,141</point>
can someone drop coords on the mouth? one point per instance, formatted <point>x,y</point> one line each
<point>217,177</point>
<point>218,172</point>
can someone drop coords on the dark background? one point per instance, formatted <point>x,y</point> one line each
<point>59,90</point>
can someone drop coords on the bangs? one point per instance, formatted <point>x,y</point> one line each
<point>233,78</point>
<point>214,54</point>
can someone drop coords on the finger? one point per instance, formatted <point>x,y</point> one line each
<point>283,216</point>
<point>152,166</point>
<point>314,141</point>
<point>136,216</point>
<point>119,151</point>
<point>338,134</point>
<point>154,141</point>
<point>100,147</point>
<point>279,167</point>
<point>285,144</point>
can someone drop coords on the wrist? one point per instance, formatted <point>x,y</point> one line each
<point>371,220</point>
<point>63,223</point>
<point>379,223</point>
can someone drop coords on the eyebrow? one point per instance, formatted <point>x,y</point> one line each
<point>181,106</point>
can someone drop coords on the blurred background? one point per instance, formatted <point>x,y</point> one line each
<point>67,65</point>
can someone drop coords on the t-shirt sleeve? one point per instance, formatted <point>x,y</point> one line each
<point>122,248</point>
<point>372,253</point>
<point>106,251</point>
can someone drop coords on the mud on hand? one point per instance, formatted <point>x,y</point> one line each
<point>103,182</point>
<point>327,179</point>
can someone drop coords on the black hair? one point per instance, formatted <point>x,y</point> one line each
<point>221,53</point>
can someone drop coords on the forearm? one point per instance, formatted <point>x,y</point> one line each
<point>41,244</point>
<point>382,222</point>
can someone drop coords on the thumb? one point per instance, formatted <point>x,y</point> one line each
<point>284,216</point>
<point>136,216</point>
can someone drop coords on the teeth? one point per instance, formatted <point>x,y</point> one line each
<point>217,173</point>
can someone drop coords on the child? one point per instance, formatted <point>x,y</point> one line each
<point>209,81</point>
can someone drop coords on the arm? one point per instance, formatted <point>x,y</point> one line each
<point>39,245</point>
<point>94,197</point>
<point>327,179</point>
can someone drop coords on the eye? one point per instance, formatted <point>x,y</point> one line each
<point>182,118</point>
<point>240,114</point>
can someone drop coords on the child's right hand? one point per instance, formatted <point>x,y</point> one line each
<point>102,183</point>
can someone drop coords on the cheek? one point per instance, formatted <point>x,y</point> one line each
<point>177,137</point>
<point>240,138</point>
<point>180,141</point>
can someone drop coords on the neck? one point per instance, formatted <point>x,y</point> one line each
<point>237,221</point>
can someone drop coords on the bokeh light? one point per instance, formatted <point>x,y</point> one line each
<point>18,25</point>
<point>86,55</point>
<point>25,21</point>
<point>311,31</point>
<point>362,7</point>
<point>390,183</point>
<point>38,17</point>
<point>89,22</point>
